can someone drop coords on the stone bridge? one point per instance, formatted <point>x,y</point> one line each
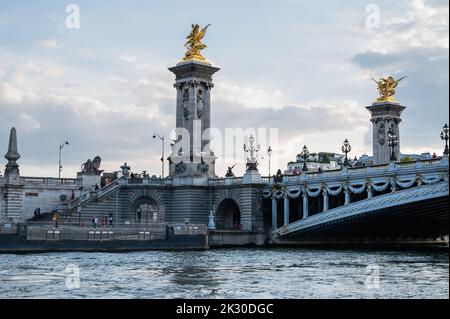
<point>395,200</point>
<point>407,200</point>
<point>236,204</point>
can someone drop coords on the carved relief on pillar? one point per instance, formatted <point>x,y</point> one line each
<point>203,167</point>
<point>186,103</point>
<point>180,167</point>
<point>381,132</point>
<point>193,83</point>
<point>200,103</point>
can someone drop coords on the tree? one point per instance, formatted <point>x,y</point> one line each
<point>406,159</point>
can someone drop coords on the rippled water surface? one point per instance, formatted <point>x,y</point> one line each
<point>237,273</point>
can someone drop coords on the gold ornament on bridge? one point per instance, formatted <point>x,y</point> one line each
<point>194,44</point>
<point>386,88</point>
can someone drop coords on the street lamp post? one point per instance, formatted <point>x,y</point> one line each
<point>252,160</point>
<point>162,151</point>
<point>392,142</point>
<point>269,152</point>
<point>60,166</point>
<point>444,137</point>
<point>305,154</point>
<point>346,148</point>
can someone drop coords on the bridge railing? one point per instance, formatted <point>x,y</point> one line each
<point>190,229</point>
<point>44,231</point>
<point>154,231</point>
<point>361,172</point>
<point>146,181</point>
<point>225,181</point>
<point>87,195</point>
<point>49,180</point>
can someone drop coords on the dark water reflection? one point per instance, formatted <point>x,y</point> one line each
<point>237,273</point>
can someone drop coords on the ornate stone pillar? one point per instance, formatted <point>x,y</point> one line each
<point>384,116</point>
<point>347,195</point>
<point>13,192</point>
<point>369,190</point>
<point>192,156</point>
<point>274,212</point>
<point>393,184</point>
<point>305,205</point>
<point>325,199</point>
<point>286,210</point>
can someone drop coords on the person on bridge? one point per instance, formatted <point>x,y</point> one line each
<point>57,219</point>
<point>110,220</point>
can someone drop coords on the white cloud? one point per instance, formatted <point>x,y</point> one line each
<point>420,26</point>
<point>9,94</point>
<point>47,44</point>
<point>27,122</point>
<point>250,96</point>
<point>128,58</point>
<point>117,79</point>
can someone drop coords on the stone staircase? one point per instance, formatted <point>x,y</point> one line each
<point>97,204</point>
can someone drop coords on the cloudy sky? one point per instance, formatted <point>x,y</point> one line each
<point>300,66</point>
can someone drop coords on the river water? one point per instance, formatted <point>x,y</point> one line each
<point>233,273</point>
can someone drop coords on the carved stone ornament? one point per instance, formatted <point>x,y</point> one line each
<point>199,104</point>
<point>180,167</point>
<point>381,133</point>
<point>186,103</point>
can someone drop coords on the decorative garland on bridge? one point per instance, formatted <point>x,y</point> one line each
<point>357,187</point>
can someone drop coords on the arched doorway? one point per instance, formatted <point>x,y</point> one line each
<point>146,211</point>
<point>228,215</point>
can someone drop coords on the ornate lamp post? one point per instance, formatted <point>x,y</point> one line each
<point>392,142</point>
<point>60,166</point>
<point>304,153</point>
<point>269,152</point>
<point>444,137</point>
<point>156,135</point>
<point>346,148</point>
<point>252,160</point>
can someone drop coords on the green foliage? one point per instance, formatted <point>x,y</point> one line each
<point>406,159</point>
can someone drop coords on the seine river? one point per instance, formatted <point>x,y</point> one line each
<point>234,273</point>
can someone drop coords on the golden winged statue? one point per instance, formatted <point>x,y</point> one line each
<point>194,43</point>
<point>386,88</point>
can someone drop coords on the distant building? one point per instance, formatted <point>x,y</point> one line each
<point>363,161</point>
<point>316,161</point>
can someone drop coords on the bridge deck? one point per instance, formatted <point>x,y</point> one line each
<point>420,212</point>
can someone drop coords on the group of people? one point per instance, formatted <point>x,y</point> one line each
<point>37,214</point>
<point>104,221</point>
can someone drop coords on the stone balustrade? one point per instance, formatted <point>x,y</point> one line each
<point>49,181</point>
<point>225,181</point>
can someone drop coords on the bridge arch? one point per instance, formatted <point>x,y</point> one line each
<point>146,206</point>
<point>146,210</point>
<point>228,215</point>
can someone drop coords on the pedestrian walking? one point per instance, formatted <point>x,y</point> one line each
<point>110,220</point>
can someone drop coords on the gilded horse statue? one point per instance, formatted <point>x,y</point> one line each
<point>194,43</point>
<point>386,88</point>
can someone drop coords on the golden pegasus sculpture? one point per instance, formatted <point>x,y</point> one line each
<point>386,88</point>
<point>194,44</point>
